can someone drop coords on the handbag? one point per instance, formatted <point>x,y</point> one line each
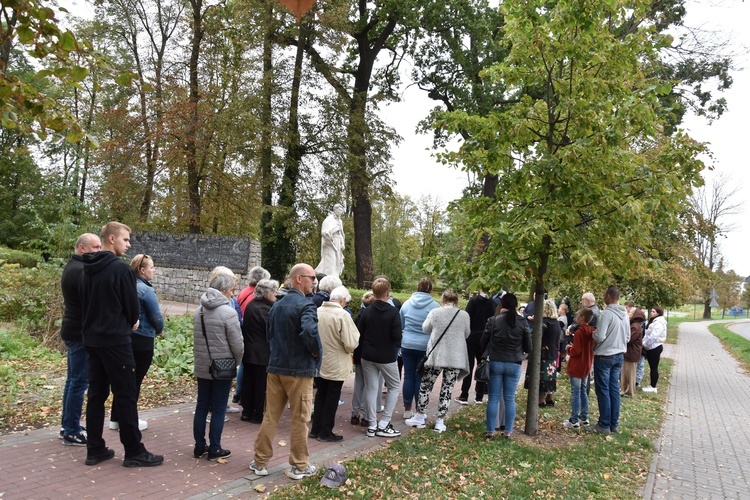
<point>421,365</point>
<point>222,368</point>
<point>482,373</point>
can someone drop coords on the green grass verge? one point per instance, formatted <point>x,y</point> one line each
<point>737,345</point>
<point>554,464</point>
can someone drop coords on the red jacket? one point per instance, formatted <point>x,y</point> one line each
<point>581,352</point>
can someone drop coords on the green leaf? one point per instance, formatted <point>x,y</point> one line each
<point>25,35</point>
<point>68,42</point>
<point>124,79</point>
<point>79,73</point>
<point>74,136</point>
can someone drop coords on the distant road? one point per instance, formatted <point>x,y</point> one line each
<point>741,329</point>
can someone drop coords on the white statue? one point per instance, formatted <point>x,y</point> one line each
<point>332,244</point>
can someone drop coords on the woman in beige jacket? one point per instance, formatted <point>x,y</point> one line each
<point>339,337</point>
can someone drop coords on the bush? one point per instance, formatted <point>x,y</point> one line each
<point>173,349</point>
<point>32,296</point>
<point>24,259</point>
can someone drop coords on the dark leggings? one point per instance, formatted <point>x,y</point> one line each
<point>653,356</point>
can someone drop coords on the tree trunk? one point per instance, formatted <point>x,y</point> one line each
<point>532,369</point>
<point>359,181</point>
<point>707,309</point>
<point>191,163</point>
<point>269,234</point>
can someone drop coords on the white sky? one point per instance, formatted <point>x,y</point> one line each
<point>417,173</point>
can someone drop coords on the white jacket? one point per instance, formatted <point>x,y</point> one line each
<point>656,333</point>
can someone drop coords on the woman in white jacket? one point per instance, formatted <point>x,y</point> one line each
<point>656,335</point>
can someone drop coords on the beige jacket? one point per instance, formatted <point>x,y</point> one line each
<point>339,337</point>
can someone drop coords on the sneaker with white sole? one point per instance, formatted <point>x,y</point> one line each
<point>439,425</point>
<point>77,439</point>
<point>419,421</point>
<point>648,388</point>
<point>387,432</point>
<point>371,432</point>
<point>259,471</point>
<point>296,474</point>
<point>585,422</point>
<point>461,401</point>
<point>408,414</point>
<point>570,425</point>
<point>115,426</point>
<point>232,409</point>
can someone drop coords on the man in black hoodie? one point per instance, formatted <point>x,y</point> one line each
<point>76,382</point>
<point>110,313</point>
<point>380,337</point>
<point>480,308</point>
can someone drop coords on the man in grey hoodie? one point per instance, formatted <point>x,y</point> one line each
<point>611,338</point>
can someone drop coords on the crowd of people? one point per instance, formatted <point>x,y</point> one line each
<point>295,345</point>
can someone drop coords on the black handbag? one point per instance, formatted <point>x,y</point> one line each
<point>420,366</point>
<point>482,373</point>
<point>222,368</point>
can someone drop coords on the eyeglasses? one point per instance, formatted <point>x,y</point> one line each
<point>312,277</point>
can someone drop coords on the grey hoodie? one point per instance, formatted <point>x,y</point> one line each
<point>612,331</point>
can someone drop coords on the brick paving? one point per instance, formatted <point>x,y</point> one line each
<point>703,450</point>
<point>35,465</point>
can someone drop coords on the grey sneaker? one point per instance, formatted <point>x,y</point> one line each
<point>296,474</point>
<point>259,471</point>
<point>598,429</point>
<point>586,422</point>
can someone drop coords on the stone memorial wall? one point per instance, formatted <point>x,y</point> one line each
<point>183,261</point>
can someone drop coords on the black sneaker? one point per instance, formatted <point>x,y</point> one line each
<point>331,438</point>
<point>200,451</point>
<point>313,435</point>
<point>145,459</point>
<point>96,459</point>
<point>77,439</point>
<point>215,455</point>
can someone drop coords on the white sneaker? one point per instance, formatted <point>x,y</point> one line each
<point>408,414</point>
<point>439,425</point>
<point>115,426</point>
<point>232,409</point>
<point>648,388</point>
<point>226,418</point>
<point>419,421</point>
<point>259,471</point>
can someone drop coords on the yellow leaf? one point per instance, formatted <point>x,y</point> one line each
<point>260,488</point>
<point>607,476</point>
<point>282,443</point>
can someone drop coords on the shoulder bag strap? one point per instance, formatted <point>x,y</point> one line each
<point>443,334</point>
<point>203,327</point>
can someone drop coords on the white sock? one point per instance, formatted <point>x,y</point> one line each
<point>383,424</point>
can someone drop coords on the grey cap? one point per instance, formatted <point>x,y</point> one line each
<point>335,476</point>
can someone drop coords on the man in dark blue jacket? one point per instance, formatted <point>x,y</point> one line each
<point>294,361</point>
<point>110,312</point>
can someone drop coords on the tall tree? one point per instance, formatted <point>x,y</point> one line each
<point>707,224</point>
<point>584,168</point>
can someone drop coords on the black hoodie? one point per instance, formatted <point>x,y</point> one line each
<point>380,332</point>
<point>109,300</point>
<point>70,282</point>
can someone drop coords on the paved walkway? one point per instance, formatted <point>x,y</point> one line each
<point>705,443</point>
<point>35,465</point>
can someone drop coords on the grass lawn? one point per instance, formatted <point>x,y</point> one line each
<point>554,464</point>
<point>737,345</point>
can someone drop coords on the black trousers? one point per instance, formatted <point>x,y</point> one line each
<point>326,404</point>
<point>653,357</point>
<point>112,367</point>
<point>143,352</point>
<point>253,395</point>
<point>473,350</point>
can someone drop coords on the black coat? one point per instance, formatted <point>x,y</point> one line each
<point>254,336</point>
<point>506,343</point>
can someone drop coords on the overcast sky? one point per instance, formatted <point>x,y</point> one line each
<point>417,173</point>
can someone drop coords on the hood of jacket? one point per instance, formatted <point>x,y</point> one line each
<point>638,315</point>
<point>212,298</point>
<point>96,262</point>
<point>420,300</point>
<point>619,311</point>
<point>381,305</point>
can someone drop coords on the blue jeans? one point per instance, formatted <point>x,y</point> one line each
<point>640,369</point>
<point>212,395</point>
<point>503,376</point>
<point>76,383</point>
<point>579,399</point>
<point>412,381</point>
<point>607,385</point>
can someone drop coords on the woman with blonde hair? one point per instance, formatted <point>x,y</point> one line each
<point>150,324</point>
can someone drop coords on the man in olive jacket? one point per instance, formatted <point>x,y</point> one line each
<point>295,347</point>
